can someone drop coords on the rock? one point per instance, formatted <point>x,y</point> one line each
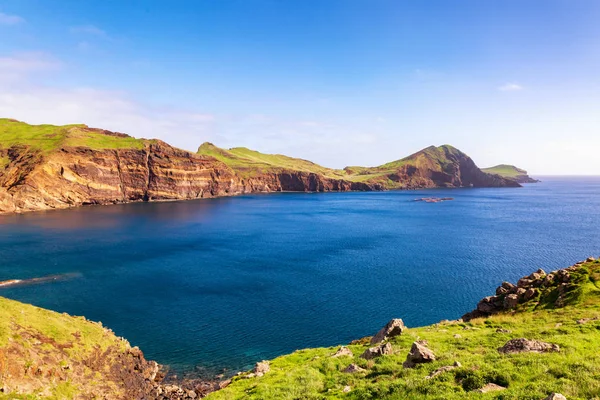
<point>583,321</point>
<point>511,301</point>
<point>521,292</point>
<point>500,290</point>
<point>491,387</point>
<point>556,396</point>
<point>590,259</point>
<point>353,368</point>
<point>262,367</point>
<point>523,345</point>
<point>443,369</point>
<point>393,328</point>
<point>502,330</point>
<point>530,294</point>
<point>343,351</point>
<point>346,389</point>
<point>377,351</point>
<point>508,286</point>
<point>457,336</point>
<point>419,354</point>
<point>524,282</point>
<point>191,394</point>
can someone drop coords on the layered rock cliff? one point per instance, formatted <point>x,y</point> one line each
<point>48,167</point>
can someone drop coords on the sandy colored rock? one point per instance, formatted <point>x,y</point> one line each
<point>523,345</point>
<point>393,328</point>
<point>419,354</point>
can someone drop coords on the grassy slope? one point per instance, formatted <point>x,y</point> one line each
<point>249,163</point>
<point>574,371</point>
<point>507,171</point>
<point>47,138</point>
<point>17,317</point>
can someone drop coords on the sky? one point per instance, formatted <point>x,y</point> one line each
<point>338,82</point>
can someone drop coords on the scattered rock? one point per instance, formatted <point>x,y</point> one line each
<point>457,336</point>
<point>377,351</point>
<point>590,259</point>
<point>502,330</point>
<point>262,368</point>
<point>556,396</point>
<point>530,294</point>
<point>523,345</point>
<point>443,369</point>
<point>491,387</point>
<point>343,351</point>
<point>346,389</point>
<point>419,354</point>
<point>511,301</point>
<point>584,321</point>
<point>393,328</point>
<point>353,368</point>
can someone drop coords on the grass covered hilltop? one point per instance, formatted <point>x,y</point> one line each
<point>510,172</point>
<point>529,341</point>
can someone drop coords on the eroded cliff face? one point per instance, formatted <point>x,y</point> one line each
<point>75,176</point>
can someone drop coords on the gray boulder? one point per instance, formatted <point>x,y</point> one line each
<point>393,328</point>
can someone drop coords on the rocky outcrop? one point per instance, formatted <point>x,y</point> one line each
<point>523,345</point>
<point>419,354</point>
<point>393,328</point>
<point>377,351</point>
<point>553,289</point>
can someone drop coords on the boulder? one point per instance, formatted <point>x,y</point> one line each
<point>523,345</point>
<point>353,368</point>
<point>556,396</point>
<point>491,387</point>
<point>419,354</point>
<point>508,286</point>
<point>530,294</point>
<point>262,368</point>
<point>343,351</point>
<point>511,301</point>
<point>524,282</point>
<point>393,328</point>
<point>590,259</point>
<point>377,351</point>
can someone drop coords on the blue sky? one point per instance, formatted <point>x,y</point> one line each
<point>339,82</point>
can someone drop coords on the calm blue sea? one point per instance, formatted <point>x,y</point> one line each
<point>225,282</point>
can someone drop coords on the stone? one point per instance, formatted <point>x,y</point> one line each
<point>346,389</point>
<point>530,294</point>
<point>491,387</point>
<point>500,290</point>
<point>393,328</point>
<point>419,354</point>
<point>523,345</point>
<point>353,368</point>
<point>502,330</point>
<point>511,301</point>
<point>262,367</point>
<point>521,292</point>
<point>590,259</point>
<point>343,351</point>
<point>377,351</point>
<point>556,396</point>
<point>507,285</point>
<point>583,321</point>
<point>524,282</point>
<point>457,336</point>
<point>441,370</point>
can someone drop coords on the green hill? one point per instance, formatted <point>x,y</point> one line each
<point>511,172</point>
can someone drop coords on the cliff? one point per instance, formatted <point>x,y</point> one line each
<point>510,172</point>
<point>523,344</point>
<point>50,167</point>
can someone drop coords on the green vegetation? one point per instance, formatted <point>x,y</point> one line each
<point>47,138</point>
<point>507,171</point>
<point>251,163</point>
<point>574,371</point>
<point>61,328</point>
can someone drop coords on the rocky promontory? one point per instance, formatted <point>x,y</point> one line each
<point>52,167</point>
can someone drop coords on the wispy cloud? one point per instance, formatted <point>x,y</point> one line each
<point>88,30</point>
<point>510,87</point>
<point>7,19</point>
<point>20,65</point>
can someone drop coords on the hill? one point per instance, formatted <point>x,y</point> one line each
<point>510,172</point>
<point>49,167</point>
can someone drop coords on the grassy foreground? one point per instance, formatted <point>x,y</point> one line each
<point>574,371</point>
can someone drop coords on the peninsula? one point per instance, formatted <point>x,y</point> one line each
<point>52,167</point>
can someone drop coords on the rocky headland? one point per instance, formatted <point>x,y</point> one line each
<point>52,167</point>
<point>511,172</point>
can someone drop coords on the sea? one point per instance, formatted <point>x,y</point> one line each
<point>216,285</point>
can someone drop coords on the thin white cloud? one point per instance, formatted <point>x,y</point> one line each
<point>510,87</point>
<point>20,65</point>
<point>88,30</point>
<point>7,19</point>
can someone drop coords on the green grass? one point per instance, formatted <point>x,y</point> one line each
<point>574,371</point>
<point>47,138</point>
<point>59,327</point>
<point>507,171</point>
